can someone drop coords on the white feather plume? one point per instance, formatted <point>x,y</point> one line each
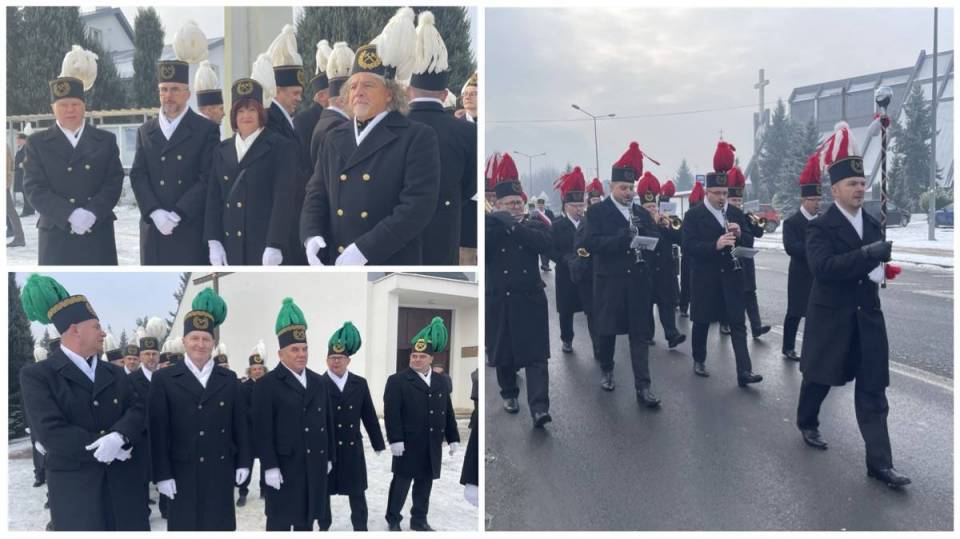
<point>260,349</point>
<point>206,78</point>
<point>431,52</point>
<point>323,56</point>
<point>141,333</point>
<point>221,349</point>
<point>176,344</point>
<point>283,50</point>
<point>262,72</point>
<point>110,343</point>
<point>156,328</point>
<point>340,61</point>
<point>81,64</point>
<point>39,353</point>
<point>397,43</point>
<point>28,130</point>
<point>189,43</point>
<point>166,346</point>
<point>451,100</point>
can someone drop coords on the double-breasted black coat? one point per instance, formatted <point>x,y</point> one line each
<point>421,417</point>
<point>516,304</point>
<point>845,334</point>
<point>799,278</point>
<point>141,451</point>
<point>59,179</point>
<point>250,204</point>
<point>198,437</point>
<point>458,181</point>
<point>66,413</point>
<point>351,408</point>
<point>294,431</point>
<point>246,392</point>
<point>664,275</point>
<point>621,286</point>
<point>277,122</point>
<point>172,175</point>
<point>717,290</point>
<point>470,475</point>
<point>581,267</point>
<point>562,233</point>
<point>380,194</point>
<point>328,119</point>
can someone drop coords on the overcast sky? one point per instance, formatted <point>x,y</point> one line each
<point>644,61</point>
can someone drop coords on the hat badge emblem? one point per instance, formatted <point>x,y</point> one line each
<point>61,88</point>
<point>420,346</point>
<point>299,334</point>
<point>300,77</point>
<point>368,59</point>
<point>167,71</point>
<point>200,322</point>
<point>857,165</point>
<point>339,348</point>
<point>245,87</point>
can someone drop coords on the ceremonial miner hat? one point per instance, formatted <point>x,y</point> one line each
<point>246,88</point>
<point>723,160</point>
<point>176,350</point>
<point>262,72</point>
<point>287,63</point>
<point>189,47</point>
<point>152,334</point>
<point>571,186</point>
<point>490,172</point>
<point>209,311</point>
<point>258,356</point>
<point>648,188</point>
<point>220,354</point>
<point>291,326</point>
<point>131,350</point>
<point>111,346</point>
<point>338,66</point>
<point>392,53</point>
<point>430,71</point>
<point>344,341</point>
<point>432,339</point>
<point>736,183</point>
<point>629,167</point>
<point>77,75</point>
<point>810,185</point>
<point>667,190</point>
<point>207,86</point>
<point>508,179</point>
<point>45,301</point>
<point>595,189</point>
<point>840,155</point>
<point>319,81</point>
<point>696,194</point>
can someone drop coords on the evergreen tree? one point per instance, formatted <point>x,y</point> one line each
<point>19,353</point>
<point>776,158</point>
<point>909,176</point>
<point>45,341</point>
<point>806,138</point>
<point>123,339</point>
<point>684,178</point>
<point>178,295</point>
<point>148,47</point>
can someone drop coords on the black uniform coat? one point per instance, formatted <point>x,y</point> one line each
<point>421,417</point>
<point>716,289</point>
<point>294,431</point>
<point>664,276</point>
<point>198,437</point>
<point>516,305</point>
<point>799,278</point>
<point>59,179</point>
<point>621,286</point>
<point>141,451</point>
<point>380,195</point>
<point>257,212</point>
<point>458,181</point>
<point>581,267</point>
<point>277,122</point>
<point>470,475</point>
<point>66,413</point>
<point>18,169</point>
<point>172,175</point>
<point>246,393</point>
<point>748,233</point>
<point>350,408</point>
<point>562,232</point>
<point>329,119</point>
<point>846,333</point>
<point>303,125</point>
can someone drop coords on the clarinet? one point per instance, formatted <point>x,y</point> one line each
<point>635,231</point>
<point>736,261</point>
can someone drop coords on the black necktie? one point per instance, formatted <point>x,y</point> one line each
<point>90,361</point>
<point>362,124</point>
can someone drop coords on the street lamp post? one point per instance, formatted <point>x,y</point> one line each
<point>530,165</point>
<point>596,145</point>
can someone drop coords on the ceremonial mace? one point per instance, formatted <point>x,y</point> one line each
<point>882,96</point>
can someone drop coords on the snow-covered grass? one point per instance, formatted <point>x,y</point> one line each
<point>448,510</point>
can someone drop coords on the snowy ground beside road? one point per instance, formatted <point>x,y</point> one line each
<point>448,510</point>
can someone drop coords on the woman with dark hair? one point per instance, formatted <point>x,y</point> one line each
<point>250,198</point>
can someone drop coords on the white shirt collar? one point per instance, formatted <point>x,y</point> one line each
<point>426,99</point>
<point>284,111</point>
<point>717,213</point>
<point>807,214</point>
<point>469,118</point>
<point>369,127</point>
<point>424,377</point>
<point>856,220</point>
<point>146,372</point>
<point>72,136</point>
<point>302,377</point>
<point>81,362</point>
<point>168,127</point>
<point>243,146</point>
<point>203,375</point>
<point>337,380</point>
<point>125,371</point>
<point>576,222</point>
<point>624,209</point>
<point>339,111</point>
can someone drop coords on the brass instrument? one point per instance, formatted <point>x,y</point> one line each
<point>726,227</point>
<point>756,220</point>
<point>635,230</point>
<point>583,253</point>
<point>671,221</point>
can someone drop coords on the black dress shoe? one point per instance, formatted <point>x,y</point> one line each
<point>49,526</point>
<point>700,369</point>
<point>394,526</point>
<point>813,439</point>
<point>567,347</point>
<point>648,399</point>
<point>37,483</point>
<point>791,355</point>
<point>511,405</point>
<point>724,329</point>
<point>606,381</point>
<point>890,476</point>
<point>17,243</point>
<point>748,378</point>
<point>676,339</point>
<point>421,527</point>
<point>241,501</point>
<point>763,329</point>
<point>540,419</point>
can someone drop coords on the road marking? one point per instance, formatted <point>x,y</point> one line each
<point>946,294</point>
<point>900,368</point>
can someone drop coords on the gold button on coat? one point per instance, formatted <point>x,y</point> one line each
<point>340,212</point>
<point>366,177</point>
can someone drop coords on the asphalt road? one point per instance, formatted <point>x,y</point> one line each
<point>717,457</point>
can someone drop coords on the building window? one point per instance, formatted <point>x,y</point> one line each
<point>95,34</point>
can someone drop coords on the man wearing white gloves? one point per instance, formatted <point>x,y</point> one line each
<point>86,416</point>
<point>170,172</point>
<point>418,415</point>
<point>293,430</point>
<point>198,429</point>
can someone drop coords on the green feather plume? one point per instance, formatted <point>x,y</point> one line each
<point>348,336</point>
<point>209,301</point>
<point>290,314</point>
<point>39,295</point>
<point>435,334</point>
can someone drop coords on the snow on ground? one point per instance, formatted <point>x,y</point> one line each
<point>448,510</point>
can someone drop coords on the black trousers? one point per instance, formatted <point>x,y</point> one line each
<point>639,355</point>
<point>871,407</point>
<point>566,326</point>
<point>27,207</point>
<point>358,512</point>
<point>399,487</point>
<point>244,488</point>
<point>274,525</point>
<point>538,385</point>
<point>738,337</point>
<point>790,326</point>
<point>753,310</point>
<point>684,284</point>
<point>668,321</point>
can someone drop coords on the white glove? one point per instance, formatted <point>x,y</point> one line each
<point>877,274</point>
<point>125,454</point>
<point>313,246</point>
<point>397,449</point>
<point>377,453</point>
<point>272,256</point>
<point>163,221</point>
<point>107,447</point>
<point>329,466</point>
<point>81,221</point>
<point>40,449</point>
<point>273,478</point>
<point>454,447</point>
<point>242,475</point>
<point>218,256</point>
<point>351,256</point>
<point>471,493</point>
<point>167,487</point>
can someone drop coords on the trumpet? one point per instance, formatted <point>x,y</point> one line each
<point>671,221</point>
<point>635,231</point>
<point>756,220</point>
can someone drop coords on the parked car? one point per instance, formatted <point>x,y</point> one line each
<point>944,216</point>
<point>895,216</point>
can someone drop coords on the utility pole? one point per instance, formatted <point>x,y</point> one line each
<point>932,210</point>
<point>596,145</point>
